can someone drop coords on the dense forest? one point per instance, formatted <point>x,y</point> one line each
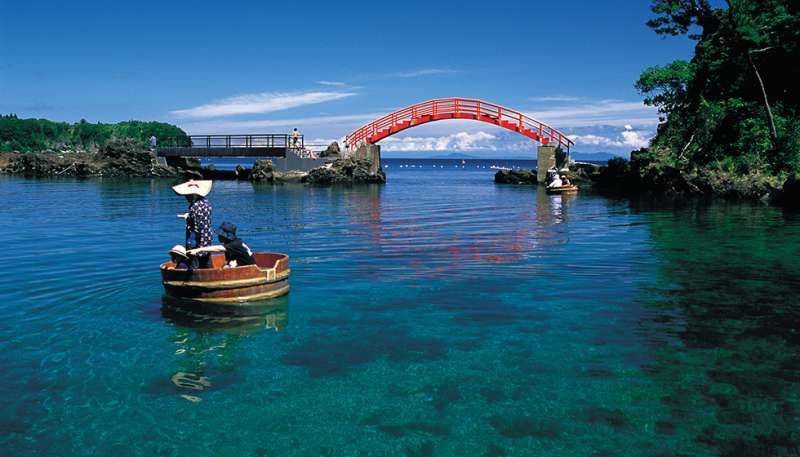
<point>35,135</point>
<point>729,115</point>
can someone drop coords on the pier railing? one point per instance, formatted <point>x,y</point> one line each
<point>267,145</point>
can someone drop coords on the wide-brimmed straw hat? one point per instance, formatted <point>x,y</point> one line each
<point>178,249</point>
<point>192,187</point>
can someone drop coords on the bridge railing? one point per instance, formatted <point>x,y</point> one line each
<point>234,145</point>
<point>244,141</point>
<point>465,108</point>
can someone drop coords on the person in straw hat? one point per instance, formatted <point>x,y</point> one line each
<point>198,219</point>
<point>179,257</point>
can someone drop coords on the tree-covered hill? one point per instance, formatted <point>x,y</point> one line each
<point>35,135</point>
<point>730,114</point>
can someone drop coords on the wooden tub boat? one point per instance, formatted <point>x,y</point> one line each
<point>562,189</point>
<point>268,278</point>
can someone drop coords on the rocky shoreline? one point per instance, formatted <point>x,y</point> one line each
<point>618,178</point>
<point>129,159</point>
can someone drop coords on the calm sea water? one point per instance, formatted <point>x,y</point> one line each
<point>440,314</point>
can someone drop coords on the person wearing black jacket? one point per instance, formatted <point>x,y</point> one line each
<point>237,254</point>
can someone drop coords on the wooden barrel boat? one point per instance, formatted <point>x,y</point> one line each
<point>268,278</point>
<point>562,189</point>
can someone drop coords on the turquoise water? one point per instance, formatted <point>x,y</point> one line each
<point>437,315</point>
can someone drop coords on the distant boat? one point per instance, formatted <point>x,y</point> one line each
<point>268,278</point>
<point>562,189</point>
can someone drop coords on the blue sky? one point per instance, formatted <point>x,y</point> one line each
<point>328,67</point>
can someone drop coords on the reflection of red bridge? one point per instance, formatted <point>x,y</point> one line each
<point>457,108</point>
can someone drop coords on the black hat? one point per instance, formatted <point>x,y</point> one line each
<point>227,231</point>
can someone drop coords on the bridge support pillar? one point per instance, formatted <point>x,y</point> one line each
<point>545,159</point>
<point>372,153</point>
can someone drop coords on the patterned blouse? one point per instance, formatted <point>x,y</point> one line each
<point>198,224</point>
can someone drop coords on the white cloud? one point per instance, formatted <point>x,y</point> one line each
<point>635,139</point>
<point>265,102</point>
<point>628,138</point>
<point>423,72</point>
<point>406,74</point>
<point>345,122</point>
<point>555,98</point>
<point>461,141</point>
<point>604,112</point>
<point>332,83</point>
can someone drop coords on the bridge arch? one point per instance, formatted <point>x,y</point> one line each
<point>457,108</point>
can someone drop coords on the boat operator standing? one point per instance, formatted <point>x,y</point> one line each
<point>198,219</point>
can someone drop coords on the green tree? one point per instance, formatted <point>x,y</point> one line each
<point>734,107</point>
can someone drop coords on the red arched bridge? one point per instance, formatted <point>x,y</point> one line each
<point>457,108</point>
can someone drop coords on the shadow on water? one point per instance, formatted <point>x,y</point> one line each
<point>731,379</point>
<point>208,344</point>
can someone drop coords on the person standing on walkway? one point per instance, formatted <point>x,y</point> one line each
<point>153,142</point>
<point>295,136</point>
<point>198,219</point>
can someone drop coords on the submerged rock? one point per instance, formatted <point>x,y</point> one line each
<point>345,171</point>
<point>519,176</point>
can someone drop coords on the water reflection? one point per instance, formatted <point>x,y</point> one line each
<point>552,209</point>
<point>207,345</point>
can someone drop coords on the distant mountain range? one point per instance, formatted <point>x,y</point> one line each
<point>516,155</point>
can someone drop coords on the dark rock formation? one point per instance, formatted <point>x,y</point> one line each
<point>345,171</point>
<point>117,158</point>
<point>515,177</point>
<point>332,151</point>
<point>789,195</point>
<point>128,158</point>
<point>187,167</point>
<point>582,174</point>
<point>184,163</point>
<point>49,164</point>
<point>262,171</point>
<point>242,172</point>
